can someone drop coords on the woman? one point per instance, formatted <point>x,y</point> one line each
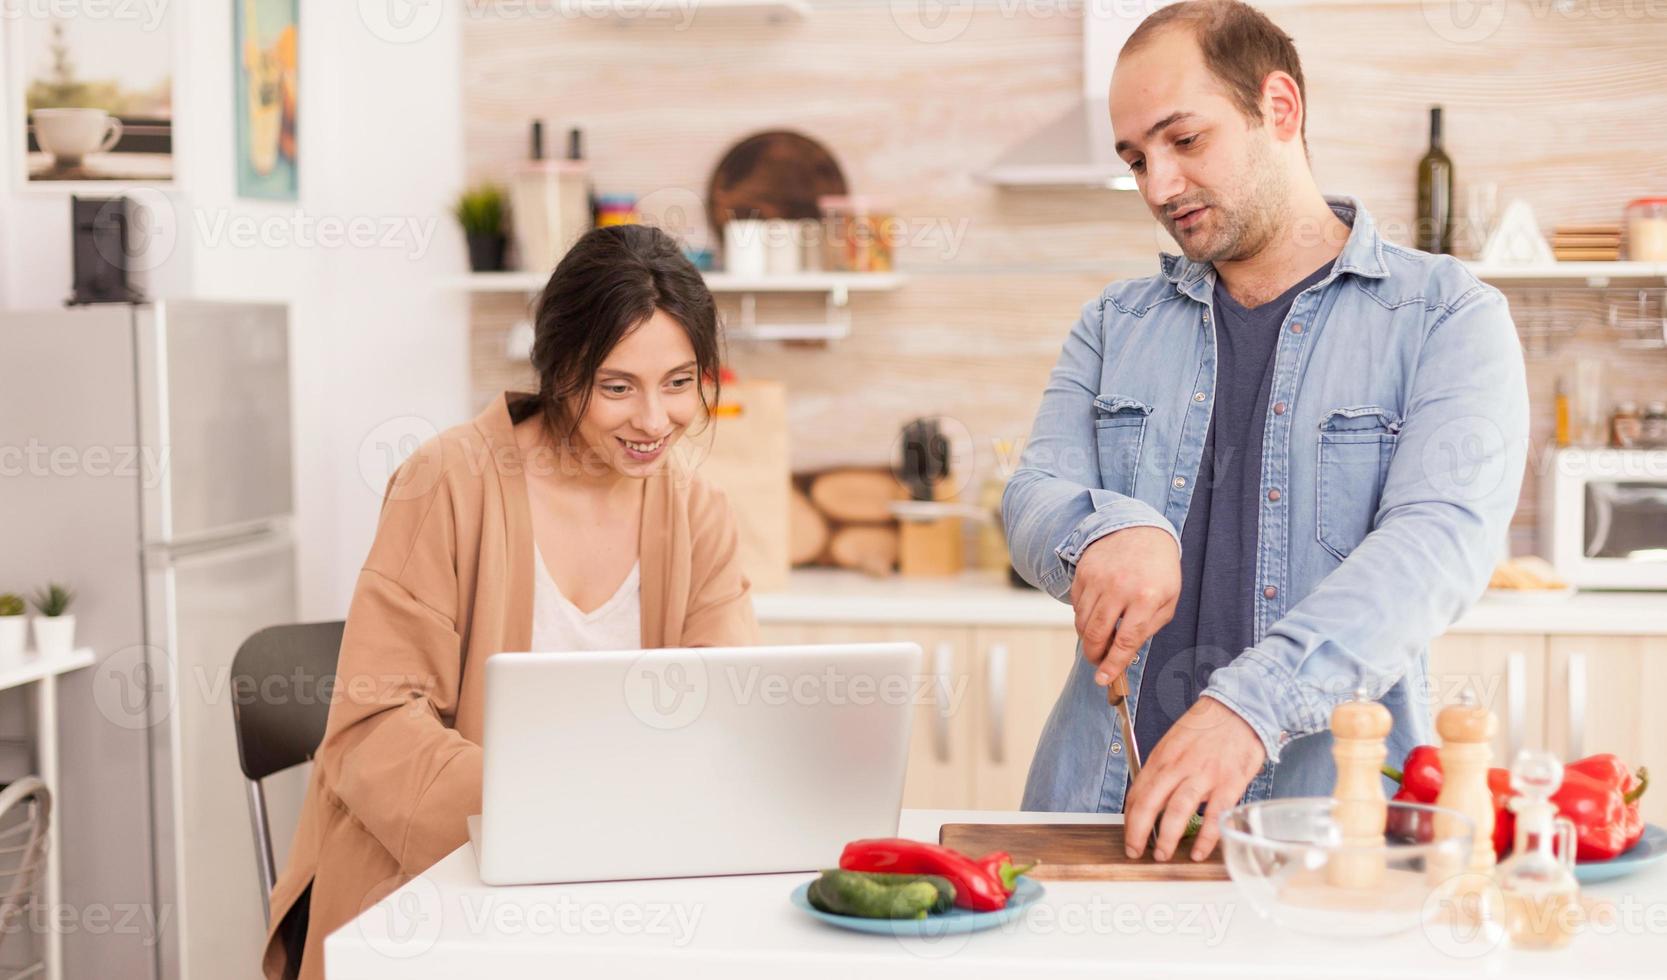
<point>559,521</point>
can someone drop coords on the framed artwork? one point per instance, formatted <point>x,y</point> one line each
<point>97,96</point>
<point>266,97</point>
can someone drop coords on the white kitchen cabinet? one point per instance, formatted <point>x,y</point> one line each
<point>1606,695</point>
<point>942,747</point>
<point>1020,672</point>
<point>1506,671</point>
<point>986,694</point>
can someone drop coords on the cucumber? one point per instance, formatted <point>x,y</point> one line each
<point>853,893</point>
<point>946,890</point>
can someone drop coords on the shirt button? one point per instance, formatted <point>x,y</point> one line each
<point>1279,408</point>
<point>1296,328</point>
<point>1269,592</point>
<point>1135,659</point>
<point>1117,748</point>
<point>1273,494</point>
<point>1198,396</point>
<point>1179,482</point>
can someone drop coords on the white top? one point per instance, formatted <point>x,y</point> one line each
<point>445,921</point>
<point>559,625</point>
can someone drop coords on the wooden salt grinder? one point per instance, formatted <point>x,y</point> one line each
<point>1467,731</point>
<point>1358,728</point>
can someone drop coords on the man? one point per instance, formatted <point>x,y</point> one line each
<point>1267,477</point>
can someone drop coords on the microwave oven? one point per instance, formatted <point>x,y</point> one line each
<point>1603,517</point>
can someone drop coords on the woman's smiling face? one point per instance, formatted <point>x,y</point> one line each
<point>645,395</point>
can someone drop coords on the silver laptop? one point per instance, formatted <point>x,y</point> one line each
<point>668,763</point>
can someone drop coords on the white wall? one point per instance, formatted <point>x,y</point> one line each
<point>377,353</point>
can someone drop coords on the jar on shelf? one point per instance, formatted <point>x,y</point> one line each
<point>1653,429</point>
<point>1646,229</point>
<point>616,209</point>
<point>1626,426</point>
<point>857,233</point>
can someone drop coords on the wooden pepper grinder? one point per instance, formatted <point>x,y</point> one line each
<point>1467,731</point>
<point>1358,730</point>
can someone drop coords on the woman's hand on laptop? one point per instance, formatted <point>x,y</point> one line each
<point>1125,590</point>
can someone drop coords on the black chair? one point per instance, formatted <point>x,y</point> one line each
<point>282,681</point>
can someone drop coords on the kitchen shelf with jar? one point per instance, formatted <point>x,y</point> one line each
<point>837,286</point>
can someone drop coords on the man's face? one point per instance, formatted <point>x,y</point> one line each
<point>1212,177</point>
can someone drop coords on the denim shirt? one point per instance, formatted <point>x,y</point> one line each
<point>1396,436</point>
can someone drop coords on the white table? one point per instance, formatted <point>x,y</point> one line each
<point>446,924</point>
<point>42,672</point>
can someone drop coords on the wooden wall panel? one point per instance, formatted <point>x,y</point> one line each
<point>1566,109</point>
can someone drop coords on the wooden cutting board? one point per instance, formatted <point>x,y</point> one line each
<point>1077,852</point>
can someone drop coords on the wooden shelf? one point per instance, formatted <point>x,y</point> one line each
<point>683,11</point>
<point>1597,275</point>
<point>717,282</point>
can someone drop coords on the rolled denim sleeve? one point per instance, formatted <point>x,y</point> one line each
<point>1446,507</point>
<point>1055,506</point>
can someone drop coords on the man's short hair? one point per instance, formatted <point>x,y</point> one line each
<point>1240,45</point>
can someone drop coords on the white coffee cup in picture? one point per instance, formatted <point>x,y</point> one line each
<point>70,134</point>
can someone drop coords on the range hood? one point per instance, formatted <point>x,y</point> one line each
<point>1075,150</point>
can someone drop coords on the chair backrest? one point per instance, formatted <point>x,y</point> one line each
<point>282,681</point>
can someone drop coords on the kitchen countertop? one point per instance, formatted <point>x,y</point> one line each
<point>821,595</point>
<point>444,923</point>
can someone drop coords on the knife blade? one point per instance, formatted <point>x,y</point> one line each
<point>1117,695</point>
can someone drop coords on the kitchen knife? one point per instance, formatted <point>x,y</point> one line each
<point>1117,695</point>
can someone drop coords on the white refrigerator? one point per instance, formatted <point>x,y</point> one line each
<point>145,460</point>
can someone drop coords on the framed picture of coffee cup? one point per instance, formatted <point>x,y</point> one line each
<point>266,98</point>
<point>95,94</point>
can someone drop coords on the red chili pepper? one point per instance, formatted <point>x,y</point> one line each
<point>976,887</point>
<point>999,864</point>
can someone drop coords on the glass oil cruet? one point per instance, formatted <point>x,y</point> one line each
<point>1542,897</point>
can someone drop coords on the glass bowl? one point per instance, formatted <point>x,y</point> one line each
<point>1290,860</point>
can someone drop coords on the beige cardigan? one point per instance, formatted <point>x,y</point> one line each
<point>449,583</point>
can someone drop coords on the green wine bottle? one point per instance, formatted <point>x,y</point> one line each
<point>1434,229</point>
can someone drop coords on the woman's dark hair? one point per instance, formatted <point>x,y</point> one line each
<point>608,284</point>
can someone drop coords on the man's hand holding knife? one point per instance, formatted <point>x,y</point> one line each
<point>1125,590</point>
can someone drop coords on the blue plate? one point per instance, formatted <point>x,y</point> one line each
<point>1651,848</point>
<point>956,920</point>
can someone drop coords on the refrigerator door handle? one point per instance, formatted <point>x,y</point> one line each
<point>258,539</point>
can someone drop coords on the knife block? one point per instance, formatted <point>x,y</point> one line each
<point>932,548</point>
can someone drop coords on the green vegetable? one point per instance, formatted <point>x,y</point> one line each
<point>11,604</point>
<point>53,600</point>
<point>946,890</point>
<point>871,896</point>
<point>1195,823</point>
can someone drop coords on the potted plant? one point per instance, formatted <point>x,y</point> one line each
<point>13,625</point>
<point>480,211</point>
<point>54,627</point>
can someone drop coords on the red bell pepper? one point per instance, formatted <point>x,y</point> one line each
<point>1599,795</point>
<point>976,887</point>
<point>1609,770</point>
<point>1421,777</point>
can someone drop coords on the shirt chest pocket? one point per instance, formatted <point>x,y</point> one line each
<point>1119,431</point>
<point>1355,447</point>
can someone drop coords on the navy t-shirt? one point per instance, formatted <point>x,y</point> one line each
<point>1212,622</point>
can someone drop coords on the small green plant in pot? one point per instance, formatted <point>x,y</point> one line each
<point>482,213</point>
<point>55,626</point>
<point>14,626</point>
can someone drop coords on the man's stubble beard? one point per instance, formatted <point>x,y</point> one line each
<point>1249,225</point>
